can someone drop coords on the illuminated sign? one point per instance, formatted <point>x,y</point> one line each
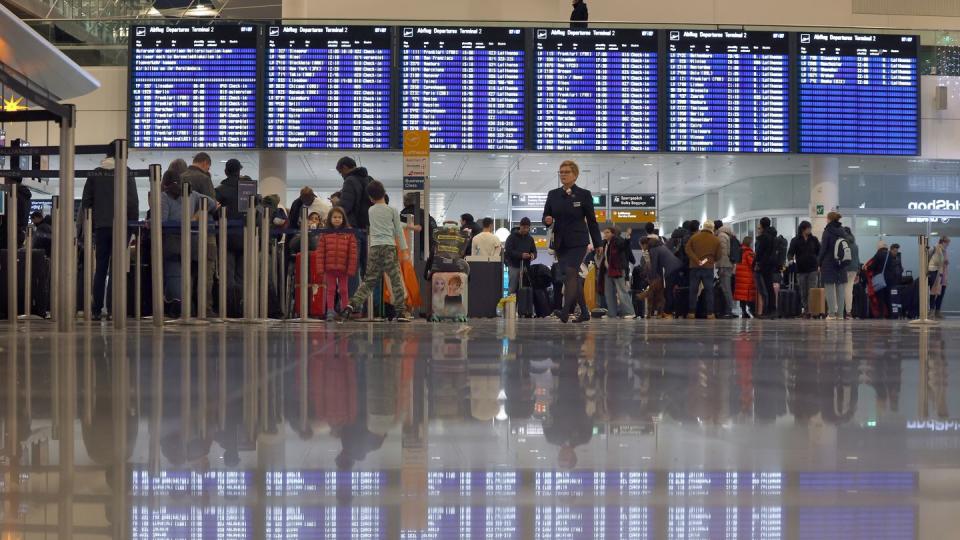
<point>939,204</point>
<point>634,216</point>
<point>14,105</point>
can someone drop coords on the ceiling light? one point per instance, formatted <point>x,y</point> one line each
<point>624,177</point>
<point>542,163</point>
<point>437,162</point>
<point>523,183</point>
<point>200,11</point>
<point>853,166</point>
<point>648,164</point>
<point>535,170</point>
<point>154,12</point>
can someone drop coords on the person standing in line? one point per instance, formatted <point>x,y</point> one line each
<point>309,200</point>
<point>580,14</point>
<point>520,250</point>
<point>228,196</point>
<point>198,176</point>
<point>486,244</point>
<point>832,269</point>
<point>569,210</point>
<point>337,260</point>
<point>853,272</point>
<point>98,196</point>
<point>703,250</point>
<point>664,274</point>
<point>746,287</point>
<point>766,266</point>
<point>470,228</point>
<point>386,235</point>
<point>725,267</point>
<point>937,276</point>
<point>616,258</point>
<point>804,250</point>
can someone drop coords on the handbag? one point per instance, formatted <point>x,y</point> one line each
<point>880,282</point>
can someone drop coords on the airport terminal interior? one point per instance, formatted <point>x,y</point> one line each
<point>551,269</point>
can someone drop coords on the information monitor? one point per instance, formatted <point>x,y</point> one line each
<point>466,85</point>
<point>596,90</point>
<point>858,94</point>
<point>193,86</point>
<point>328,87</point>
<point>729,91</point>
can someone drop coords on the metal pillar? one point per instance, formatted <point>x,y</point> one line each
<point>156,246</point>
<point>222,263</point>
<point>118,260</point>
<point>12,226</point>
<point>67,260</point>
<point>88,262</point>
<point>924,300</point>
<point>56,299</point>
<point>28,275</point>
<point>186,257</point>
<point>264,297</point>
<point>304,280</point>
<point>203,288</point>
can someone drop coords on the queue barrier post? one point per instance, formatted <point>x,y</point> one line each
<point>203,286</point>
<point>88,262</point>
<point>56,302</point>
<point>222,264</point>
<point>12,226</point>
<point>28,275</point>
<point>924,289</point>
<point>156,247</point>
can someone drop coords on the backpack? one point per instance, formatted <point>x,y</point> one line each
<point>781,251</point>
<point>678,241</point>
<point>736,251</point>
<point>842,253</point>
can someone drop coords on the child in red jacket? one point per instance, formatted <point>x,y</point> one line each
<point>337,259</point>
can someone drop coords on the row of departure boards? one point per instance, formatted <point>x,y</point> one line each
<point>236,86</point>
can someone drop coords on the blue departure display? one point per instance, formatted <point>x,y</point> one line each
<point>858,94</point>
<point>464,85</point>
<point>193,86</point>
<point>596,90</point>
<point>729,91</point>
<point>328,87</point>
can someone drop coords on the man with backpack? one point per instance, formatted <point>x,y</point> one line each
<point>834,258</point>
<point>729,257</point>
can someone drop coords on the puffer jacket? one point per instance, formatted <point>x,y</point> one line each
<point>338,253</point>
<point>745,286</point>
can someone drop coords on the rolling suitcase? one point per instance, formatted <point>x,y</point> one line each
<point>525,307</point>
<point>861,302</point>
<point>681,301</point>
<point>818,301</point>
<point>541,303</point>
<point>448,296</point>
<point>315,289</point>
<point>788,303</point>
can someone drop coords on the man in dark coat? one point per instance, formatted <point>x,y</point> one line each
<point>580,14</point>
<point>804,250</point>
<point>98,196</point>
<point>767,265</point>
<point>353,195</point>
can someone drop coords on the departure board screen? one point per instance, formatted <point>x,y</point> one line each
<point>328,87</point>
<point>464,85</point>
<point>193,86</point>
<point>729,91</point>
<point>596,90</point>
<point>858,94</point>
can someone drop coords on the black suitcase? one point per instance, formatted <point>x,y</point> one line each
<point>861,302</point>
<point>525,302</point>
<point>788,304</point>
<point>40,282</point>
<point>541,303</point>
<point>681,301</point>
<point>907,298</point>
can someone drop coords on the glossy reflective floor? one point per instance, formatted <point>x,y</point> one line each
<point>530,429</point>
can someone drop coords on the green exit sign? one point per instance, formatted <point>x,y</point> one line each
<point>820,209</point>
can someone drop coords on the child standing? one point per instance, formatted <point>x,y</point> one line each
<point>386,234</point>
<point>337,259</point>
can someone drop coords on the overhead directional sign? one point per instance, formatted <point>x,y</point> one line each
<point>634,200</point>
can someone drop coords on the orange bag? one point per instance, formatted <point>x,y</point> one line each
<point>411,282</point>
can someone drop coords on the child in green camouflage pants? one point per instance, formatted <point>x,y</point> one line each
<point>386,234</point>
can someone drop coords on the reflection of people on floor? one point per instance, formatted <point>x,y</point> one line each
<point>936,379</point>
<point>567,424</point>
<point>840,390</point>
<point>356,437</point>
<point>518,387</point>
<point>180,439</point>
<point>804,385</point>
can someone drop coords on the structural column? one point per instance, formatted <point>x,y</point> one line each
<point>273,175</point>
<point>824,190</point>
<point>712,206</point>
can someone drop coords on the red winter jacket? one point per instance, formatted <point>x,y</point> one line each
<point>745,289</point>
<point>337,253</point>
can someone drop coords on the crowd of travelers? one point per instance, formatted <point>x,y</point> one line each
<point>699,270</point>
